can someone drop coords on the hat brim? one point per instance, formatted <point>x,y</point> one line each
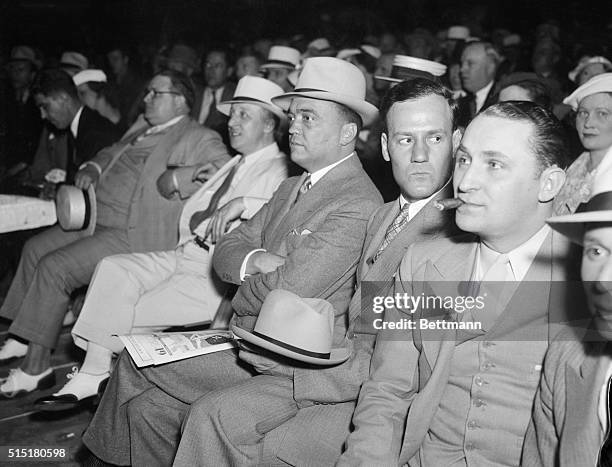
<point>388,78</point>
<point>93,210</point>
<point>286,66</point>
<point>336,357</point>
<point>572,225</point>
<point>363,108</point>
<point>225,106</point>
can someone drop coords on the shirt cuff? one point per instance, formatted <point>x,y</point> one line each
<point>92,163</point>
<point>243,274</point>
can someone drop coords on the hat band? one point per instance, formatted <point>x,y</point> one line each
<point>403,73</point>
<point>284,345</point>
<point>245,98</point>
<point>599,202</point>
<point>87,210</point>
<point>280,63</point>
<point>309,90</point>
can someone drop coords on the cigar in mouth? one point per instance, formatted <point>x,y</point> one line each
<point>449,203</point>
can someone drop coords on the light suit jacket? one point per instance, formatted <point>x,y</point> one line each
<point>408,375</point>
<point>565,430</point>
<point>152,219</point>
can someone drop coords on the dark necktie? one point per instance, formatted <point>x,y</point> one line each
<point>212,107</point>
<point>200,216</point>
<point>605,455</point>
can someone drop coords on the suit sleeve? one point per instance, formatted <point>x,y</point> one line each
<point>541,445</point>
<point>385,399</point>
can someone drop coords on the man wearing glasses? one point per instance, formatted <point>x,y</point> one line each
<point>141,184</point>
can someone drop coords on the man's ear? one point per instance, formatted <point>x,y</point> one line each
<point>383,146</point>
<point>348,134</point>
<point>551,182</point>
<point>457,135</point>
<point>230,71</point>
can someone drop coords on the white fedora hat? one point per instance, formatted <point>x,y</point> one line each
<point>254,90</point>
<point>89,76</point>
<point>363,49</point>
<point>406,67</point>
<point>281,56</point>
<point>295,327</point>
<point>335,80</point>
<point>597,84</point>
<point>586,61</point>
<point>458,33</point>
<point>76,209</point>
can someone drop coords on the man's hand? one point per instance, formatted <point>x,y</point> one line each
<point>167,184</point>
<point>220,221</point>
<point>262,262</point>
<point>203,172</point>
<point>85,177</point>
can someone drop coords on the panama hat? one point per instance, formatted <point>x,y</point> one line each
<point>597,84</point>
<point>296,327</point>
<point>76,209</point>
<point>335,80</point>
<point>586,61</point>
<point>89,76</point>
<point>282,57</point>
<point>406,67</point>
<point>254,90</point>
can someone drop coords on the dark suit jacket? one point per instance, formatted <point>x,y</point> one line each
<point>565,430</point>
<point>467,106</point>
<point>407,380</point>
<point>315,436</point>
<point>215,120</point>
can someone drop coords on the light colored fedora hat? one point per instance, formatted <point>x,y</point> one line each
<point>586,61</point>
<point>597,84</point>
<point>23,53</point>
<point>254,90</point>
<point>406,67</point>
<point>89,76</point>
<point>363,49</point>
<point>75,60</point>
<point>458,33</point>
<point>76,209</point>
<point>281,56</point>
<point>597,209</point>
<point>295,327</point>
<point>335,80</point>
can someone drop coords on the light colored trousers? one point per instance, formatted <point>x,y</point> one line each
<point>146,292</point>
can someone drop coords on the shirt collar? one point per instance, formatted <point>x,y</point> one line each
<point>163,126</point>
<point>318,175</point>
<point>481,95</point>
<point>521,257</point>
<point>416,206</point>
<point>74,125</point>
<point>250,159</point>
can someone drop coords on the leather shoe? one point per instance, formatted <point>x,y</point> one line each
<point>20,379</point>
<point>63,402</point>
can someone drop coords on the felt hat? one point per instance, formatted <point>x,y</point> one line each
<point>597,84</point>
<point>363,49</point>
<point>335,80</point>
<point>296,327</point>
<point>406,67</point>
<point>282,57</point>
<point>89,76</point>
<point>254,90</point>
<point>23,53</point>
<point>586,61</point>
<point>76,209</point>
<point>74,60</point>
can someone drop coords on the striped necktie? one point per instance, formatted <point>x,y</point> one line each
<point>395,228</point>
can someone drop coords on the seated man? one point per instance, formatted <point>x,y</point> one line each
<point>570,424</point>
<point>152,291</point>
<point>306,240</point>
<point>141,183</point>
<point>445,395</point>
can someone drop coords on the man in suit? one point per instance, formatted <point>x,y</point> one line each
<point>479,62</point>
<point>151,291</point>
<point>458,388</point>
<point>419,141</point>
<point>306,240</point>
<point>140,183</point>
<point>217,70</point>
<point>570,424</point>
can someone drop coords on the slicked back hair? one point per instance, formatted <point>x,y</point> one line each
<point>416,88</point>
<point>53,81</point>
<point>549,139</point>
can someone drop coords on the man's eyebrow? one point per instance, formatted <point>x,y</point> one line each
<point>497,154</point>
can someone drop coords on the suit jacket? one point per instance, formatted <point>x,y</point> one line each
<point>94,133</point>
<point>215,120</point>
<point>466,110</point>
<point>320,236</point>
<point>153,219</point>
<point>409,372</point>
<point>315,436</point>
<point>565,430</point>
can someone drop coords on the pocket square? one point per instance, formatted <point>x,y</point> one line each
<point>305,232</point>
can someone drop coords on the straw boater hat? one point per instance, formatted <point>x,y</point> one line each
<point>406,67</point>
<point>295,327</point>
<point>254,90</point>
<point>89,76</point>
<point>586,61</point>
<point>597,209</point>
<point>335,80</point>
<point>76,208</point>
<point>74,60</point>
<point>282,57</point>
<point>597,84</point>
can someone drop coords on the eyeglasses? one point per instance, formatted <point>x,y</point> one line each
<point>157,93</point>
